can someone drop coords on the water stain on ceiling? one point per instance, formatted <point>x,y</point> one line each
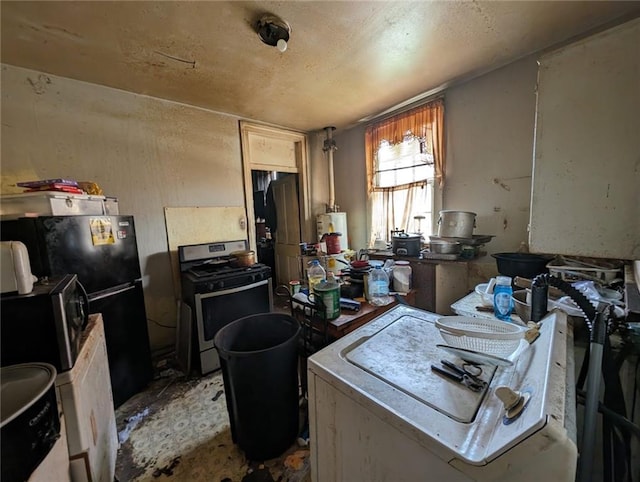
<point>345,62</point>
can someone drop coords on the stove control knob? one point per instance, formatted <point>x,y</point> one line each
<point>220,284</point>
<point>210,286</point>
<point>514,402</point>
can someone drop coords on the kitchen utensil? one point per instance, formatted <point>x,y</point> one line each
<point>525,265</point>
<point>332,241</point>
<point>521,282</point>
<point>473,356</point>
<point>485,295</point>
<point>460,375</point>
<point>582,268</point>
<point>16,268</point>
<point>243,258</point>
<point>404,244</point>
<point>495,337</point>
<point>456,224</point>
<point>445,247</point>
<point>30,423</point>
<point>522,305</point>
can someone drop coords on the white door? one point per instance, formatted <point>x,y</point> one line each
<point>287,236</point>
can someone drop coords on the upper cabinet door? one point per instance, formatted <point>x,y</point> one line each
<point>586,169</point>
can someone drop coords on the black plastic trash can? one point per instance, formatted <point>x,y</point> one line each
<point>258,357</point>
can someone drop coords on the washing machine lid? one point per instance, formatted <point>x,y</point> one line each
<point>399,356</point>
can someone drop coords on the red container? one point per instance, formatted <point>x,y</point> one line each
<point>332,241</point>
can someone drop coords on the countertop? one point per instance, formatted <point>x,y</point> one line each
<point>467,306</point>
<point>424,257</point>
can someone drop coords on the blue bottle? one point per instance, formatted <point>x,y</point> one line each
<point>502,300</point>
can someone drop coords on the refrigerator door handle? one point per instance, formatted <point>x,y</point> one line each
<point>84,305</point>
<point>105,294</point>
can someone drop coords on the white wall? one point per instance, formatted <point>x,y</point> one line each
<point>489,130</point>
<point>351,184</point>
<point>147,152</point>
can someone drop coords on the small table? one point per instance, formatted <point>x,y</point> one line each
<point>350,320</point>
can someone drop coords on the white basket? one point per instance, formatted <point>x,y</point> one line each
<point>495,337</point>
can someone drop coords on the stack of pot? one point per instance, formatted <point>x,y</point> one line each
<point>453,227</point>
<point>456,224</point>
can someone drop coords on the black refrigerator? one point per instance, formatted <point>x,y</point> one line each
<point>103,252</point>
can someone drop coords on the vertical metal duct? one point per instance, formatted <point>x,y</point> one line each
<point>329,147</point>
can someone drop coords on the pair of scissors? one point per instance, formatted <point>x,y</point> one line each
<point>467,375</point>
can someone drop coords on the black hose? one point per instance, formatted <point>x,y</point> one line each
<point>620,421</point>
<point>539,288</point>
<point>616,446</point>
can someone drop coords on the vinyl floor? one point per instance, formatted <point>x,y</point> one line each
<point>178,430</point>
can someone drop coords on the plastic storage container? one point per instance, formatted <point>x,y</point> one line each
<point>502,301</point>
<point>55,204</point>
<point>315,275</point>
<point>259,361</point>
<point>402,276</point>
<point>379,287</point>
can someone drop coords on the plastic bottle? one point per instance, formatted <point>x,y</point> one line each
<point>315,274</point>
<point>502,300</point>
<point>379,287</point>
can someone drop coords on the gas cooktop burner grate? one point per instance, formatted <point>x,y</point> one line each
<point>222,271</point>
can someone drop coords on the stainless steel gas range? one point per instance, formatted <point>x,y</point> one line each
<point>215,293</point>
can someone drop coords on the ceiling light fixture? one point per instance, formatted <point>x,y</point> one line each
<point>274,31</point>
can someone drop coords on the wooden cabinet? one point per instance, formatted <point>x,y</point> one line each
<point>424,282</point>
<point>437,284</point>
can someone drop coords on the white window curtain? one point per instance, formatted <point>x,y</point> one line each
<point>403,178</point>
<point>405,160</point>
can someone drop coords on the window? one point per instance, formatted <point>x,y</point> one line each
<point>405,166</point>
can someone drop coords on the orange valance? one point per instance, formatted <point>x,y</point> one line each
<point>426,122</point>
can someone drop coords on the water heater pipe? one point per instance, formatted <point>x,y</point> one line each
<point>329,147</point>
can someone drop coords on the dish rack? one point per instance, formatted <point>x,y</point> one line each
<point>495,337</point>
<point>578,269</point>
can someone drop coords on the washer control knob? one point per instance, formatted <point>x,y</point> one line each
<point>514,402</point>
<point>508,397</point>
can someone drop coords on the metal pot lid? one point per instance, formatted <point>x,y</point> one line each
<point>406,236</point>
<point>21,386</point>
<point>456,211</point>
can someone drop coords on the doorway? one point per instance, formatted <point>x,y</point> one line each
<point>279,156</point>
<point>277,221</point>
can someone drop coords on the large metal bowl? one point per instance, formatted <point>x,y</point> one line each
<point>522,308</point>
<point>445,247</point>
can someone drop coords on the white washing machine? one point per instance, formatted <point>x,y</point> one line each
<point>379,413</point>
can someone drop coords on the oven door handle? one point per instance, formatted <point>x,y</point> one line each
<point>239,288</point>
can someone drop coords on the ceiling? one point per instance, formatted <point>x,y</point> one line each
<point>346,61</point>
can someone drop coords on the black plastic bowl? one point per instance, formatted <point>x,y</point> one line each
<point>525,265</point>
